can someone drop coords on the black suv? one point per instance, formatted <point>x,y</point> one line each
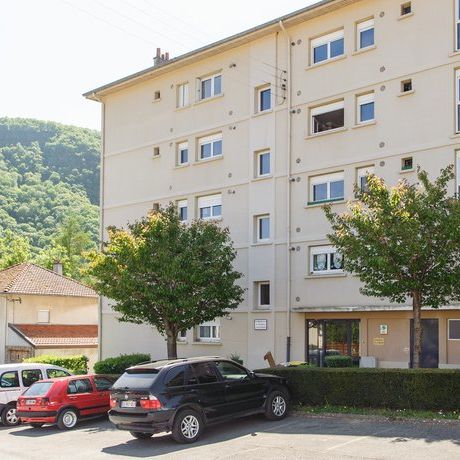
<point>184,395</point>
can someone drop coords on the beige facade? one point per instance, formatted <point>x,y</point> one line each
<point>408,75</point>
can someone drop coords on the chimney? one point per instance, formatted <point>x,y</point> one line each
<point>57,267</point>
<point>160,57</point>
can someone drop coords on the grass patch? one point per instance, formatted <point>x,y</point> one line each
<point>389,413</point>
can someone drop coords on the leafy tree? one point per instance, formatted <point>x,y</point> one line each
<point>167,274</point>
<point>14,249</point>
<point>403,242</point>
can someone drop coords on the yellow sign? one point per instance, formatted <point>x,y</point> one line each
<point>379,341</point>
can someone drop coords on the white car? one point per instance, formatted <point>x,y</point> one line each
<point>15,378</point>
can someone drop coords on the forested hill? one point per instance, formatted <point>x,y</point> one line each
<point>49,185</point>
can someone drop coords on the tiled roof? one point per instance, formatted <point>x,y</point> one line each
<point>40,335</point>
<point>31,279</point>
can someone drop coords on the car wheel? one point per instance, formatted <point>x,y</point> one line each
<point>141,435</point>
<point>67,419</point>
<point>9,417</point>
<point>187,426</point>
<point>276,407</point>
<point>36,425</point>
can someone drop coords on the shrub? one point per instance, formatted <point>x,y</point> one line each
<point>420,389</point>
<point>77,364</point>
<point>119,364</point>
<point>338,361</point>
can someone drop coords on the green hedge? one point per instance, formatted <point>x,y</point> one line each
<point>338,361</point>
<point>76,364</point>
<point>422,389</point>
<point>118,364</point>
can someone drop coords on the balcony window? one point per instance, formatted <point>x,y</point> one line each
<point>326,188</point>
<point>210,86</point>
<point>327,117</point>
<point>327,47</point>
<point>210,146</point>
<point>210,207</point>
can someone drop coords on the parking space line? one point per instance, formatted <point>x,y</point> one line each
<point>358,439</point>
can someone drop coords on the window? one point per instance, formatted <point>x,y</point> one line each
<point>157,96</point>
<point>182,153</point>
<point>209,332</point>
<point>263,294</point>
<point>9,380</point>
<point>325,259</point>
<point>230,371</point>
<point>210,206</point>
<point>182,336</point>
<point>264,101</point>
<point>175,377</point>
<point>182,95</point>
<point>38,389</point>
<point>365,108</point>
<point>156,152</point>
<point>263,164</point>
<point>182,207</point>
<point>458,173</point>
<point>406,86</point>
<point>457,24</point>
<point>362,174</point>
<point>30,376</point>
<point>407,164</point>
<point>79,386</point>
<point>327,117</point>
<point>454,329</point>
<point>102,383</point>
<point>365,34</point>
<point>210,146</point>
<point>327,188</point>
<point>457,98</point>
<point>55,373</point>
<point>43,316</point>
<point>205,372</point>
<point>406,8</point>
<point>327,47</point>
<point>263,228</point>
<point>210,86</point>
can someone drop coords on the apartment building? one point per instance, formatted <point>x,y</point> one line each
<point>257,131</point>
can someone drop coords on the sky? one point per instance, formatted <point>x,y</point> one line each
<point>52,51</point>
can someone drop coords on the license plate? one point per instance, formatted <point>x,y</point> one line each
<point>30,402</point>
<point>127,403</point>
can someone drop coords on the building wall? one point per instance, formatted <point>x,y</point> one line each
<point>420,124</point>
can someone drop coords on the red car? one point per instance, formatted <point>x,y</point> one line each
<point>65,400</point>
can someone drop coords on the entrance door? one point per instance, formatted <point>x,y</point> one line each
<point>430,343</point>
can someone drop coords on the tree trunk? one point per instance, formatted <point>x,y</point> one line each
<point>418,330</point>
<point>171,338</point>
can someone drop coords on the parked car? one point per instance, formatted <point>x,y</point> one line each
<point>15,378</point>
<point>65,400</point>
<point>184,395</point>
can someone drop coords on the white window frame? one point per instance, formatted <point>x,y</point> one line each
<point>363,172</point>
<point>180,147</point>
<point>457,24</point>
<point>326,40</point>
<point>210,201</point>
<point>259,92</point>
<point>364,26</point>
<point>322,109</point>
<point>258,228</point>
<point>214,331</point>
<point>213,89</point>
<point>181,204</point>
<point>183,95</point>
<point>210,140</point>
<point>259,285</point>
<point>327,249</point>
<point>457,101</point>
<point>258,163</point>
<point>326,179</point>
<point>182,336</point>
<point>364,99</point>
<point>403,5</point>
<point>448,329</point>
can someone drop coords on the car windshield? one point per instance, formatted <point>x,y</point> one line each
<point>38,389</point>
<point>136,379</point>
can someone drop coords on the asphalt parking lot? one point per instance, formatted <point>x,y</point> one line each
<point>252,438</point>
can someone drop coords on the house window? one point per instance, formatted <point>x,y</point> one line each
<point>365,108</point>
<point>362,175</point>
<point>210,146</point>
<point>406,86</point>
<point>365,34</point>
<point>406,8</point>
<point>182,207</point>
<point>454,329</point>
<point>407,164</point>
<point>210,86</point>
<point>264,101</point>
<point>210,207</point>
<point>209,332</point>
<point>182,336</point>
<point>263,164</point>
<point>157,96</point>
<point>263,294</point>
<point>327,47</point>
<point>182,153</point>
<point>457,24</point>
<point>43,316</point>
<point>327,117</point>
<point>156,152</point>
<point>182,95</point>
<point>457,99</point>
<point>325,259</point>
<point>326,188</point>
<point>263,228</point>
<point>458,172</point>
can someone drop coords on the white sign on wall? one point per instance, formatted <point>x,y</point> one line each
<point>260,324</point>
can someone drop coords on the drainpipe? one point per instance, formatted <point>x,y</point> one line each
<point>288,195</point>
